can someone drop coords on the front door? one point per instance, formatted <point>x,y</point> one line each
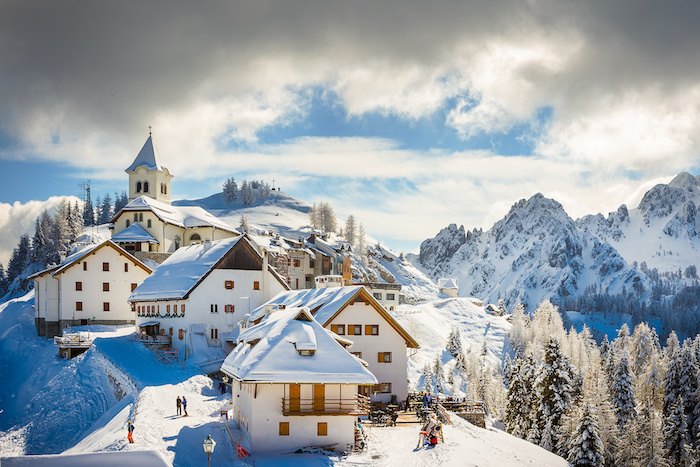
<point>319,398</point>
<point>294,397</point>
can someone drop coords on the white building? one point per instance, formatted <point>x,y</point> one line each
<point>200,292</point>
<point>149,222</point>
<point>295,385</point>
<point>448,287</point>
<point>91,286</point>
<point>377,337</point>
<point>386,294</point>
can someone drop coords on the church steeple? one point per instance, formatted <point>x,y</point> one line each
<point>148,175</point>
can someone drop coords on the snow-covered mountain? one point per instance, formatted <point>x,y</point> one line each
<point>538,252</point>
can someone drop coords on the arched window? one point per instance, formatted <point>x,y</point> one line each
<point>138,187</point>
<point>177,241</point>
<point>145,187</point>
<point>195,238</point>
<point>149,223</point>
<point>140,217</point>
<point>165,189</point>
<point>128,222</point>
<point>136,217</point>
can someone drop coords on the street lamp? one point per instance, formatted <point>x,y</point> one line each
<point>208,445</point>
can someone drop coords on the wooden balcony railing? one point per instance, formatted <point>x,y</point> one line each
<point>358,405</point>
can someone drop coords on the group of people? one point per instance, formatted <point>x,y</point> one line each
<point>181,405</point>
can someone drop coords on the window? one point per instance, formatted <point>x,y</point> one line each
<point>78,306</point>
<point>170,331</point>
<point>312,263</point>
<point>140,217</point>
<point>84,265</point>
<point>306,353</point>
<point>126,267</point>
<point>385,388</point>
<point>228,284</point>
<point>372,329</point>
<point>384,357</point>
<point>214,333</point>
<point>148,224</point>
<point>390,296</point>
<point>136,217</point>
<point>195,237</point>
<point>214,308</point>
<point>133,286</point>
<point>297,263</point>
<point>105,306</point>
<point>256,285</point>
<point>377,295</point>
<point>78,286</point>
<point>182,308</point>
<point>145,187</point>
<point>138,187</point>
<point>322,429</point>
<point>128,222</point>
<point>355,330</point>
<point>175,308</point>
<point>357,354</point>
<point>229,309</point>
<point>167,309</point>
<point>105,266</point>
<point>105,286</point>
<point>284,428</point>
<point>338,329</point>
<point>181,334</point>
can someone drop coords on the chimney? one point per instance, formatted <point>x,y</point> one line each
<point>61,256</point>
<point>207,244</point>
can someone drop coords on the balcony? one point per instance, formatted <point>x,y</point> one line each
<point>358,405</point>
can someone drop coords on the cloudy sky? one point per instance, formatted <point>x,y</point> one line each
<point>408,114</point>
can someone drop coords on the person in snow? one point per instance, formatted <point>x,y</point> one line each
<point>130,429</point>
<point>426,431</point>
<point>179,405</point>
<point>184,405</point>
<point>425,400</point>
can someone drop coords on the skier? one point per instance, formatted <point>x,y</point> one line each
<point>179,405</point>
<point>130,429</point>
<point>184,405</point>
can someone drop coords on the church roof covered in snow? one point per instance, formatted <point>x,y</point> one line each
<point>134,234</point>
<point>148,157</point>
<point>290,346</point>
<point>187,267</point>
<point>327,303</point>
<point>187,217</point>
<point>448,284</point>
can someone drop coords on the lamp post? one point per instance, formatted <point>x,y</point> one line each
<point>208,445</point>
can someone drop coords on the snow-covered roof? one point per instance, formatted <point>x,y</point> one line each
<point>182,271</point>
<point>326,303</point>
<point>321,245</point>
<point>186,268</point>
<point>134,234</point>
<point>269,352</point>
<point>278,244</point>
<point>148,157</point>
<point>448,284</point>
<point>187,217</point>
<point>78,255</point>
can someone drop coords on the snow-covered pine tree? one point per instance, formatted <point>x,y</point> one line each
<point>362,244</point>
<point>507,370</point>
<point>243,225</point>
<point>230,190</point>
<point>520,322</point>
<point>502,311</point>
<point>439,374</point>
<point>75,223</point>
<point>641,348</point>
<point>350,230</point>
<point>519,401</point>
<point>586,446</point>
<point>676,434</point>
<point>454,342</point>
<point>247,194</point>
<point>60,234</point>
<point>19,259</point>
<point>672,377</point>
<point>688,383</point>
<point>622,393</point>
<point>105,210</point>
<point>647,437</point>
<point>313,217</point>
<point>41,250</point>
<point>622,341</point>
<point>461,363</point>
<point>120,201</point>
<point>427,375</point>
<point>555,393</point>
<point>88,213</point>
<point>672,345</point>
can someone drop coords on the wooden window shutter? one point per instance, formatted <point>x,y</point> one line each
<point>334,328</point>
<point>284,429</point>
<point>322,429</point>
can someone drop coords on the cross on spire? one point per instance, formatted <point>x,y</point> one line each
<point>149,130</point>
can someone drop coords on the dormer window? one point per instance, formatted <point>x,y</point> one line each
<point>306,353</point>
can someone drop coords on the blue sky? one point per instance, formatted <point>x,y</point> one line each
<point>444,113</point>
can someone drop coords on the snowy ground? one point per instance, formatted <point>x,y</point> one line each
<point>84,404</point>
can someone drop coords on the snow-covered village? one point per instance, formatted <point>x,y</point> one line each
<point>375,233</point>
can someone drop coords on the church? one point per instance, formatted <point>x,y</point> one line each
<point>149,222</point>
